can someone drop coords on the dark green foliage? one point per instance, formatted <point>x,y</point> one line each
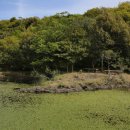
<point>66,42</point>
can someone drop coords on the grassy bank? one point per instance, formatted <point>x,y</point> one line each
<point>77,82</point>
<point>99,110</point>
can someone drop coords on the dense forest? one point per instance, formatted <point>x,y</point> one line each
<point>100,38</point>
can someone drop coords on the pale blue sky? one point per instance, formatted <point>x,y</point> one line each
<point>41,8</point>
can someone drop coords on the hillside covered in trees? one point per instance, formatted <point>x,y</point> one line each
<point>100,38</point>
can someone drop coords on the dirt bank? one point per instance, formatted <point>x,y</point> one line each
<point>76,82</point>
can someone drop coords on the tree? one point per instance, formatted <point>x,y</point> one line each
<point>9,47</point>
<point>13,19</point>
<point>67,42</point>
<point>110,57</point>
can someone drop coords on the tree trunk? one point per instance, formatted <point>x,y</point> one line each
<point>108,68</point>
<point>93,66</point>
<point>102,66</point>
<point>67,68</point>
<point>72,68</point>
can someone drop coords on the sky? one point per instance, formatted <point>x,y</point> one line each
<point>41,8</point>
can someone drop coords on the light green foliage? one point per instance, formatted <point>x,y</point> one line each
<point>8,50</point>
<point>124,11</point>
